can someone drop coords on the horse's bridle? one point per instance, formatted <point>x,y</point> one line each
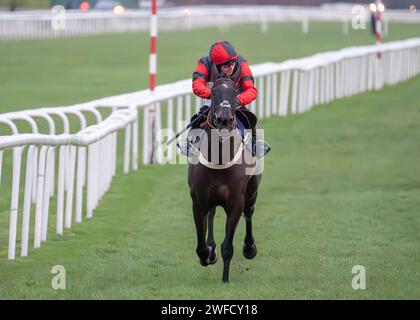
<point>210,120</point>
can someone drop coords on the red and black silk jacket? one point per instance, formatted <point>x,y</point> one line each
<point>206,73</point>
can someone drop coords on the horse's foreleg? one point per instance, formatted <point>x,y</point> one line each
<point>210,236</point>
<point>233,216</point>
<point>200,219</point>
<point>249,249</point>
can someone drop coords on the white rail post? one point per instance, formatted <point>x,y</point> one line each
<point>295,91</point>
<point>170,125</point>
<point>46,194</point>
<point>114,159</point>
<point>261,97</point>
<point>127,149</point>
<point>274,102</point>
<point>27,203</point>
<point>60,190</point>
<point>90,182</point>
<point>311,90</point>
<point>286,93</point>
<point>146,138</point>
<point>17,157</point>
<point>35,177</point>
<point>197,104</point>
<point>135,148</point>
<point>332,82</point>
<point>316,87</point>
<point>302,91</point>
<point>81,168</point>
<point>268,97</point>
<point>179,118</point>
<point>69,200</point>
<point>188,107</point>
<point>158,128</point>
<point>40,196</point>
<point>96,171</point>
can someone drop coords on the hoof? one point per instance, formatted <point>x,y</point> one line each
<point>206,262</point>
<point>249,252</point>
<point>214,257</point>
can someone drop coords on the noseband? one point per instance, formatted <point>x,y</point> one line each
<point>210,119</point>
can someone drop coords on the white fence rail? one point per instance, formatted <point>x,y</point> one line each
<point>44,24</point>
<point>87,159</point>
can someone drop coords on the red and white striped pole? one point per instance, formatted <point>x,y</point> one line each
<point>149,127</point>
<point>153,47</point>
<point>378,23</point>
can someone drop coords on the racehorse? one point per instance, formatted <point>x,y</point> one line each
<point>228,184</point>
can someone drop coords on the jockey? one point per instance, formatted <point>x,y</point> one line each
<point>223,60</point>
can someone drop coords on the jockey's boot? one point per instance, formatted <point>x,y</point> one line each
<point>259,147</point>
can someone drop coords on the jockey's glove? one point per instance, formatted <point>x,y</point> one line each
<point>204,109</point>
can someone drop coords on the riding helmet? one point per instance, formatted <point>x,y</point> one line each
<point>222,52</point>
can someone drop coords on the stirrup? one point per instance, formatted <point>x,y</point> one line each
<point>185,145</point>
<point>260,148</point>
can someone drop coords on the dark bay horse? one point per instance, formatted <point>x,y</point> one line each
<point>214,182</point>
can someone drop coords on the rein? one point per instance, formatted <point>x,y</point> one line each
<point>215,166</point>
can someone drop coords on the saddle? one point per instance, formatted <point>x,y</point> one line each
<point>247,118</point>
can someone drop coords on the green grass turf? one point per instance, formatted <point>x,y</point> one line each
<point>26,4</point>
<point>340,188</point>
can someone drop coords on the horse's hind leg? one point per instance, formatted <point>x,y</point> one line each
<point>210,236</point>
<point>200,219</point>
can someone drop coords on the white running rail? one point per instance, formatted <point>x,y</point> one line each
<point>42,24</point>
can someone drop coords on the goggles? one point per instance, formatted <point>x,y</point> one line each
<point>228,64</point>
